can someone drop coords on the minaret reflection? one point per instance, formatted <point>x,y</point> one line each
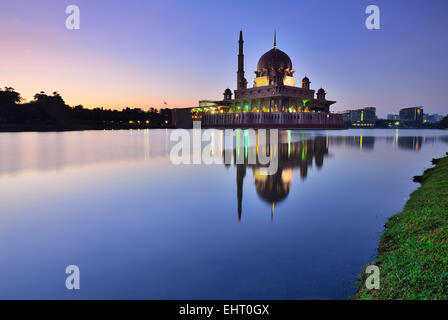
<point>296,155</point>
<point>410,143</point>
<point>291,155</point>
<point>240,174</point>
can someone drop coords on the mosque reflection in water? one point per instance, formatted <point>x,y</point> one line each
<point>55,151</point>
<point>299,155</point>
<point>290,155</point>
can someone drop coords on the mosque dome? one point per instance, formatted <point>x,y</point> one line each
<point>275,59</point>
<point>305,79</point>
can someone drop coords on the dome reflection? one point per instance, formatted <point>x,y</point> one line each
<point>274,188</point>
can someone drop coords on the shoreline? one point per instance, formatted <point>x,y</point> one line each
<point>6,128</point>
<point>412,254</point>
<point>65,128</point>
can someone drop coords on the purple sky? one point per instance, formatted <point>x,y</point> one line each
<point>141,53</point>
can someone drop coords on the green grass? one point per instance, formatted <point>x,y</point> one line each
<point>413,250</point>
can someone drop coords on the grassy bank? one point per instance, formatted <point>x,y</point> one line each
<point>413,250</point>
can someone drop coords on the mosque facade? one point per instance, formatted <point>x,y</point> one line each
<point>273,101</point>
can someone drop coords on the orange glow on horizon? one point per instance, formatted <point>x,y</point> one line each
<point>89,77</point>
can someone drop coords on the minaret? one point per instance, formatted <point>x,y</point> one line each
<point>275,40</point>
<point>240,73</point>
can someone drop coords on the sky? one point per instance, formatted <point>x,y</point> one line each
<point>130,53</point>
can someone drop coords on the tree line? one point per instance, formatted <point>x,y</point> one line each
<point>50,112</point>
<point>444,123</point>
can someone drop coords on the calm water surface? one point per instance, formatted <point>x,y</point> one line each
<point>140,227</point>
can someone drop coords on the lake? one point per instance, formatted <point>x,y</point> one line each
<point>140,227</point>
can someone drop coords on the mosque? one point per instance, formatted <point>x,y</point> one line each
<point>274,101</point>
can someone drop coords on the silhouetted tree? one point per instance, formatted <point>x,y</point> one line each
<point>50,112</point>
<point>9,97</point>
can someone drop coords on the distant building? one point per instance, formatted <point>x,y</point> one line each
<point>412,116</point>
<point>346,116</point>
<point>360,117</point>
<point>181,118</point>
<point>393,117</point>
<point>432,118</point>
